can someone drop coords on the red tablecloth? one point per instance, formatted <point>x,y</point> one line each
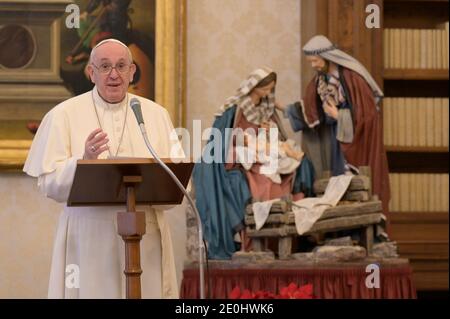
<point>346,282</point>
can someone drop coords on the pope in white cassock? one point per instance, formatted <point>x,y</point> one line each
<point>100,124</point>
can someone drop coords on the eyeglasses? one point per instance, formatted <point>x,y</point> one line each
<point>107,68</point>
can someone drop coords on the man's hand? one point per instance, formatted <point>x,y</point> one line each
<point>95,144</point>
<point>331,109</point>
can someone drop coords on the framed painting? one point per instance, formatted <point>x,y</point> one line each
<point>45,51</point>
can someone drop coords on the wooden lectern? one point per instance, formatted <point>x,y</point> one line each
<point>128,182</point>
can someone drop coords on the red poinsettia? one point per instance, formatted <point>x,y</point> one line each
<point>294,292</point>
<point>290,292</point>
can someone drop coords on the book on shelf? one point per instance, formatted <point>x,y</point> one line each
<point>429,116</point>
<point>423,49</point>
<point>437,112</point>
<point>445,128</point>
<point>421,102</point>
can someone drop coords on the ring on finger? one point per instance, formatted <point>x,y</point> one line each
<point>92,148</point>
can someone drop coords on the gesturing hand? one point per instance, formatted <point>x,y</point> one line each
<point>95,144</point>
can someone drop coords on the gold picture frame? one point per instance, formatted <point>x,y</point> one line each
<point>170,73</point>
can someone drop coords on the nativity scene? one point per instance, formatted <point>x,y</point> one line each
<point>173,149</point>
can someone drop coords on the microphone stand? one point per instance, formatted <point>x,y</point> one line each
<point>201,246</point>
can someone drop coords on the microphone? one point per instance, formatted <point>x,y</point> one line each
<point>136,106</point>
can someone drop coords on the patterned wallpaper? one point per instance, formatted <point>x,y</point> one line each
<point>226,41</point>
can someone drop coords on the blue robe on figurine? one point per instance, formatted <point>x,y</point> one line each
<point>222,195</point>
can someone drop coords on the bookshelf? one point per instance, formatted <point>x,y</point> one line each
<point>415,74</point>
<point>421,234</point>
<point>419,224</point>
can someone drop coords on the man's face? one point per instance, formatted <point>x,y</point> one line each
<point>317,63</point>
<point>112,86</point>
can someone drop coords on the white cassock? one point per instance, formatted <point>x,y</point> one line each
<point>87,236</point>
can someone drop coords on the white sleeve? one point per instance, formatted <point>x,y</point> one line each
<point>50,158</point>
<point>57,184</point>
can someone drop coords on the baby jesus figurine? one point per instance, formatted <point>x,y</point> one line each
<point>274,162</point>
